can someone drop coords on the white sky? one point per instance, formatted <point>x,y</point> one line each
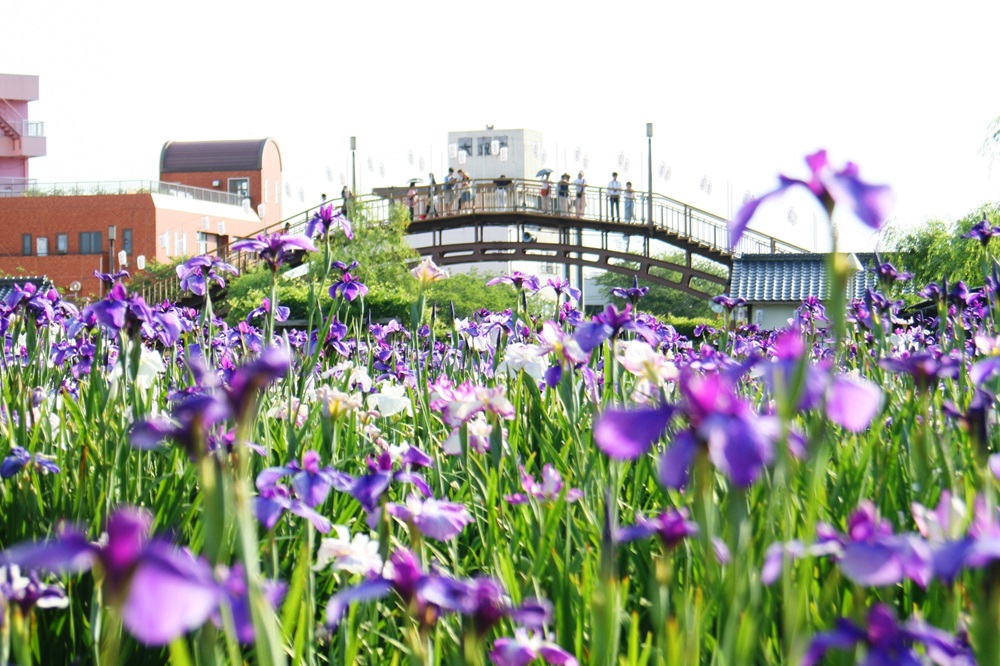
<point>737,91</point>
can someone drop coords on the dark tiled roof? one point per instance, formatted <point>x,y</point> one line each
<point>793,277</point>
<point>191,156</point>
<point>7,284</point>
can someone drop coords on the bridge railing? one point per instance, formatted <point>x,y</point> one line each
<point>595,204</point>
<point>525,196</point>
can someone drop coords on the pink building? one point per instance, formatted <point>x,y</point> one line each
<point>20,138</point>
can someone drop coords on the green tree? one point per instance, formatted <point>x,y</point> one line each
<point>936,250</point>
<point>664,301</point>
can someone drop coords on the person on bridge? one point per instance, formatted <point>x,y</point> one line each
<point>345,205</point>
<point>449,191</point>
<point>411,198</point>
<point>543,195</point>
<point>614,196</point>
<point>464,186</point>
<point>564,194</point>
<point>629,202</point>
<point>581,198</point>
<point>432,210</point>
<point>502,183</point>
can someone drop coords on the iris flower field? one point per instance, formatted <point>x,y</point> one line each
<point>514,488</point>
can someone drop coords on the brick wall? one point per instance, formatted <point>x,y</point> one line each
<point>49,216</point>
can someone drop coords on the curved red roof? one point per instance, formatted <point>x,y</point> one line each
<point>191,156</point>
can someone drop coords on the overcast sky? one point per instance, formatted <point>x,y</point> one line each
<point>737,91</point>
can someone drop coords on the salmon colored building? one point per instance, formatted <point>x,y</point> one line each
<point>209,193</point>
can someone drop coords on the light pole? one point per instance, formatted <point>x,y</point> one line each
<point>649,172</point>
<point>354,181</point>
<point>112,234</point>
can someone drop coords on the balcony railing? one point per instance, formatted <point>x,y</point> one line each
<point>23,188</point>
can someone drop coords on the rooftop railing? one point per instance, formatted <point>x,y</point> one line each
<point>24,188</point>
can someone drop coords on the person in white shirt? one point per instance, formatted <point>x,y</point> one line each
<point>614,197</point>
<point>581,198</point>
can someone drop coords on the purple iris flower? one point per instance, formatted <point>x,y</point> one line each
<point>369,488</point>
<point>348,287</point>
<point>195,273</point>
<point>311,482</point>
<point>631,294</point>
<point>728,303</point>
<point>926,368</point>
<point>420,591</point>
<point>29,591</point>
<point>518,280</point>
<point>887,273</point>
<point>870,203</point>
<point>322,221</point>
<point>526,646</point>
<point>121,310</point>
<point>20,459</point>
<point>110,279</point>
<point>869,553</point>
<point>235,593</point>
<point>486,603</point>
<point>271,365</point>
<point>738,442</point>
<point>888,642</point>
<point>191,420</point>
<point>672,526</point>
<point>160,591</point>
<point>276,249</point>
<point>434,518</point>
<point>280,314</point>
<point>562,286</point>
<point>982,231</point>
<point>548,489</point>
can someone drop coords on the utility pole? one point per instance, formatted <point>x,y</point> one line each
<point>354,180</point>
<point>649,194</point>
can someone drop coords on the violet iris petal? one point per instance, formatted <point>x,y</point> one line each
<point>366,591</point>
<point>676,460</point>
<point>170,593</point>
<point>626,434</point>
<point>69,552</point>
<point>853,403</point>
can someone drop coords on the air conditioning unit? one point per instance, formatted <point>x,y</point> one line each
<point>261,210</point>
<point>222,226</point>
<point>205,222</point>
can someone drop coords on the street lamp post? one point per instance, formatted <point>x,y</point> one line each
<point>112,234</point>
<point>354,181</point>
<point>649,194</point>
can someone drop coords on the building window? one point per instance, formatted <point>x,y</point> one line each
<point>42,246</point>
<point>26,244</point>
<point>62,243</point>
<point>127,240</point>
<point>465,145</point>
<point>90,242</point>
<point>240,187</point>
<point>202,243</point>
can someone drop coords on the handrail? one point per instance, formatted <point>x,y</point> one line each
<point>523,196</point>
<point>93,188</point>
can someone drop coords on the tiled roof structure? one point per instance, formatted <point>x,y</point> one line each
<point>765,278</point>
<point>192,156</point>
<point>7,284</point>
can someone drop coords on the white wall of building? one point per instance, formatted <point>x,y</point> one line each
<point>519,152</point>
